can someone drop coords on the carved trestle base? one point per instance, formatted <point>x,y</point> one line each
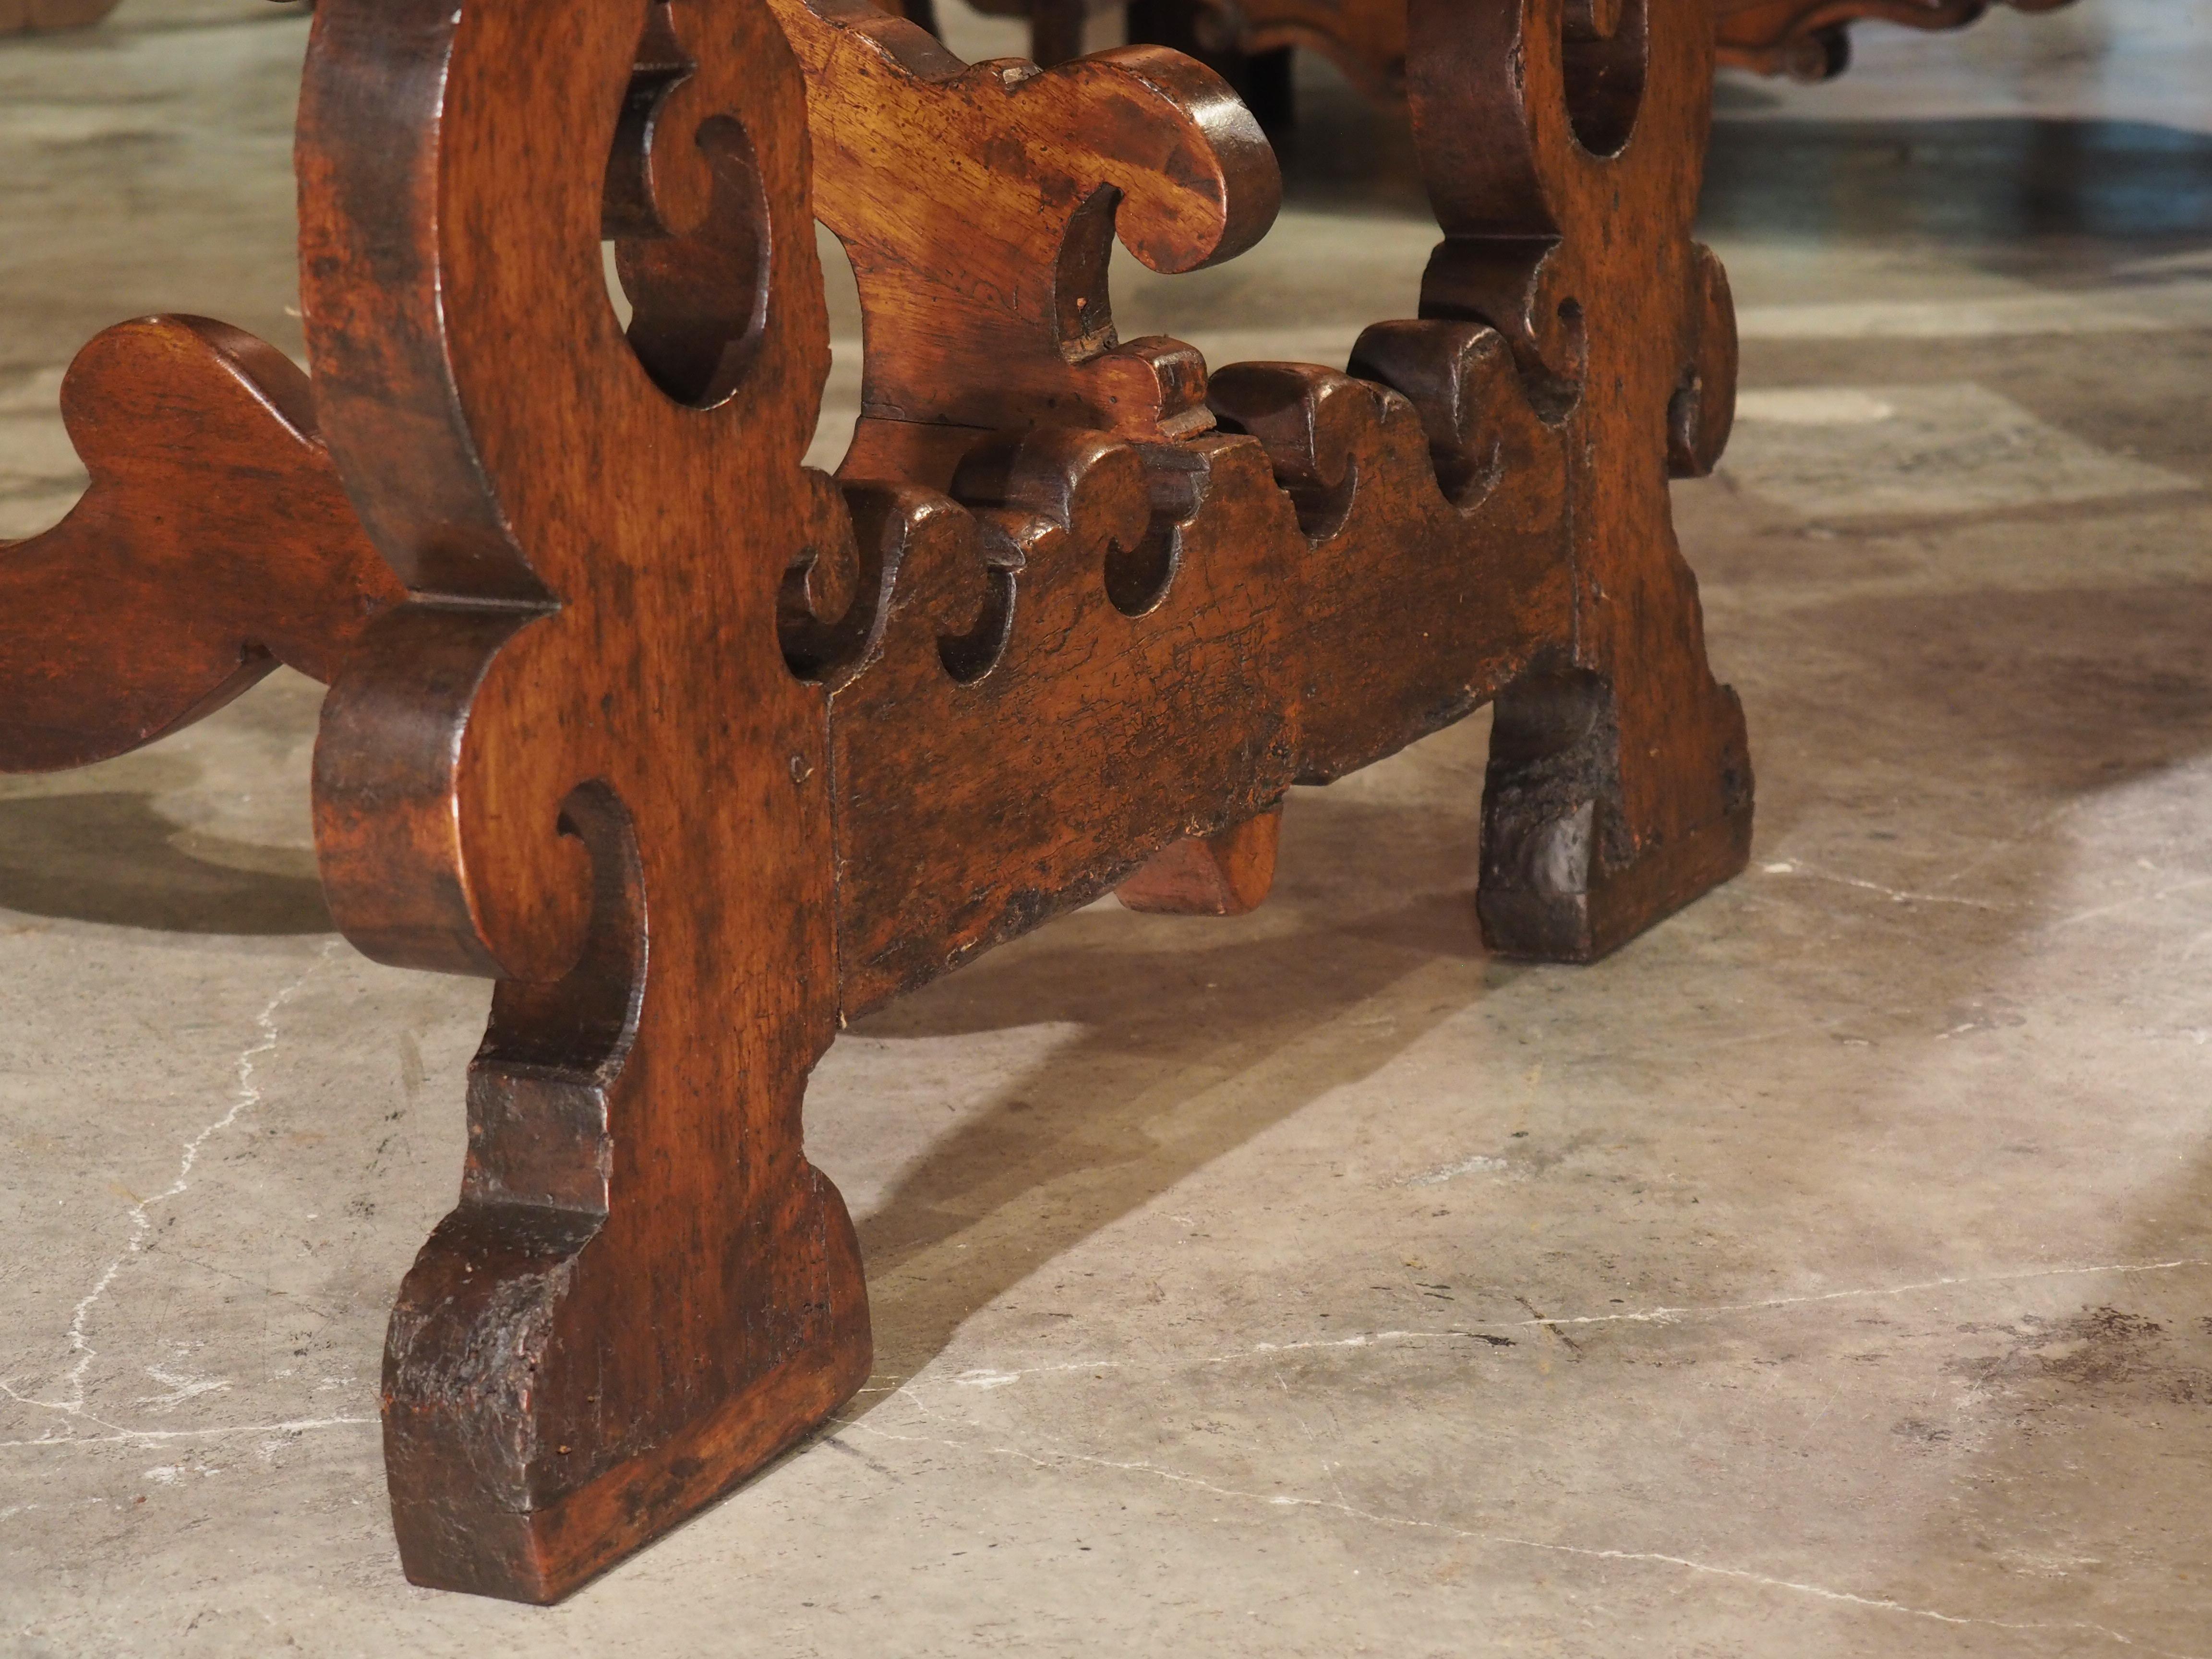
<point>698,753</point>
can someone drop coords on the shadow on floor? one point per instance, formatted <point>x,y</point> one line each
<point>110,858</point>
<point>1195,1033</point>
<point>1197,1036</point>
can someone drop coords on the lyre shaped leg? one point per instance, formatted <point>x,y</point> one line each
<point>1620,784</point>
<point>576,760</point>
<point>538,1335</point>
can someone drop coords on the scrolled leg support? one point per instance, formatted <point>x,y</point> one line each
<point>577,759</point>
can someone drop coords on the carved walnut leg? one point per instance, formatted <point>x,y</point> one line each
<point>1620,791</point>
<point>1619,786</point>
<point>576,759</point>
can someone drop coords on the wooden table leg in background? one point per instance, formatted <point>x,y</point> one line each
<point>23,16</point>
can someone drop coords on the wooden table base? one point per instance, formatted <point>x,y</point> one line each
<point>698,753</point>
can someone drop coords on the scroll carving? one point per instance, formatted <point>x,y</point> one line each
<point>214,531</point>
<point>989,307</point>
<point>696,752</point>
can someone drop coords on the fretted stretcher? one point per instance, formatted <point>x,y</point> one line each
<point>698,753</point>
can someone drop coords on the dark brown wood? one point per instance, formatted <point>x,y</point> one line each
<point>923,13</point>
<point>1151,614</point>
<point>1806,39</point>
<point>1619,775</point>
<point>576,759</point>
<point>214,535</point>
<point>1261,79</point>
<point>1365,39</point>
<point>1056,28</point>
<point>979,206</point>
<point>696,752</point>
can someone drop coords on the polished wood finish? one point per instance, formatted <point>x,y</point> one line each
<point>979,205</point>
<point>214,537</point>
<point>697,753</point>
<point>575,760</point>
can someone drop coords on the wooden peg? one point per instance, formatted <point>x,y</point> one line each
<point>1227,873</point>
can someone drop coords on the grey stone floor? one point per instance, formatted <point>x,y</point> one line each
<point>1828,1274</point>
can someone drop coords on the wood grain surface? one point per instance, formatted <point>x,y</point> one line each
<point>979,205</point>
<point>575,758</point>
<point>213,544</point>
<point>697,752</point>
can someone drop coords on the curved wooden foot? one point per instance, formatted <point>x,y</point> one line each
<point>1589,837</point>
<point>575,1363</point>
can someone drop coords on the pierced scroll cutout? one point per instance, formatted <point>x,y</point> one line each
<point>565,1378</point>
<point>688,217</point>
<point>1602,56</point>
<point>697,752</point>
<point>985,293</point>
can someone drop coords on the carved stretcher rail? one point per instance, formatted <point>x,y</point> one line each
<point>698,753</point>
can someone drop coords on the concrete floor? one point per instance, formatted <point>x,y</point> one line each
<point>1829,1274</point>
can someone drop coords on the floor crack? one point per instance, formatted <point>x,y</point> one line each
<point>245,1095</point>
<point>1508,1541</point>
